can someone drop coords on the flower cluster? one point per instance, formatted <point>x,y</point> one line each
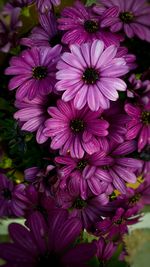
<point>78,90</point>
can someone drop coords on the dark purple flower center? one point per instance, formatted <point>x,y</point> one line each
<point>39,72</point>
<point>48,259</point>
<point>82,164</point>
<point>119,221</point>
<point>145,154</point>
<point>126,17</point>
<point>6,193</point>
<point>17,3</point>
<point>90,76</point>
<point>79,203</point>
<point>77,125</point>
<point>56,39</point>
<point>135,198</point>
<point>91,26</point>
<point>3,39</point>
<point>146,117</point>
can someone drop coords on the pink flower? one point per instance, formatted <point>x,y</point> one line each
<point>74,131</point>
<point>82,25</point>
<point>83,172</point>
<point>13,200</point>
<point>139,124</point>
<point>46,34</point>
<point>117,225</point>
<point>88,210</point>
<point>89,74</point>
<point>49,243</point>
<point>131,16</point>
<point>34,71</point>
<point>32,114</point>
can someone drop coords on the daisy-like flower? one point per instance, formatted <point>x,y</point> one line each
<point>131,16</point>
<point>46,5</point>
<point>129,58</point>
<point>38,201</point>
<point>74,131</point>
<point>13,200</point>
<point>121,168</point>
<point>138,88</point>
<point>117,119</point>
<point>17,3</point>
<point>117,225</point>
<point>42,179</point>
<point>84,171</point>
<point>139,124</point>
<point>32,114</point>
<point>137,197</point>
<point>47,244</point>
<point>34,71</point>
<point>46,34</point>
<point>9,29</point>
<point>87,210</point>
<point>82,25</point>
<point>90,74</point>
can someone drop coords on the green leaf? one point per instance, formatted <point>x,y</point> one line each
<point>94,262</point>
<point>90,2</point>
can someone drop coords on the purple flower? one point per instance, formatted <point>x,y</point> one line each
<point>13,200</point>
<point>131,16</point>
<point>87,210</point>
<point>17,3</point>
<point>83,172</point>
<point>121,168</point>
<point>81,25</point>
<point>137,197</point>
<point>139,124</point>
<point>43,244</point>
<point>42,179</point>
<point>46,34</point>
<point>8,30</point>
<point>100,170</point>
<point>32,114</point>
<point>138,88</point>
<point>129,58</point>
<point>117,120</point>
<point>46,5</point>
<point>74,131</point>
<point>89,74</point>
<point>144,171</point>
<point>38,201</point>
<point>34,71</point>
<point>105,250</point>
<point>118,224</point>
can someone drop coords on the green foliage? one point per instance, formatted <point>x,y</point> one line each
<point>90,2</point>
<point>138,247</point>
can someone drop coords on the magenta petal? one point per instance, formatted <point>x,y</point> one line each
<point>125,174</point>
<point>22,237</point>
<point>39,229</point>
<point>119,184</point>
<point>125,148</point>
<point>92,146</point>
<point>15,254</point>
<point>130,163</point>
<point>79,255</point>
<point>94,185</point>
<point>67,235</point>
<point>103,175</point>
<point>143,138</point>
